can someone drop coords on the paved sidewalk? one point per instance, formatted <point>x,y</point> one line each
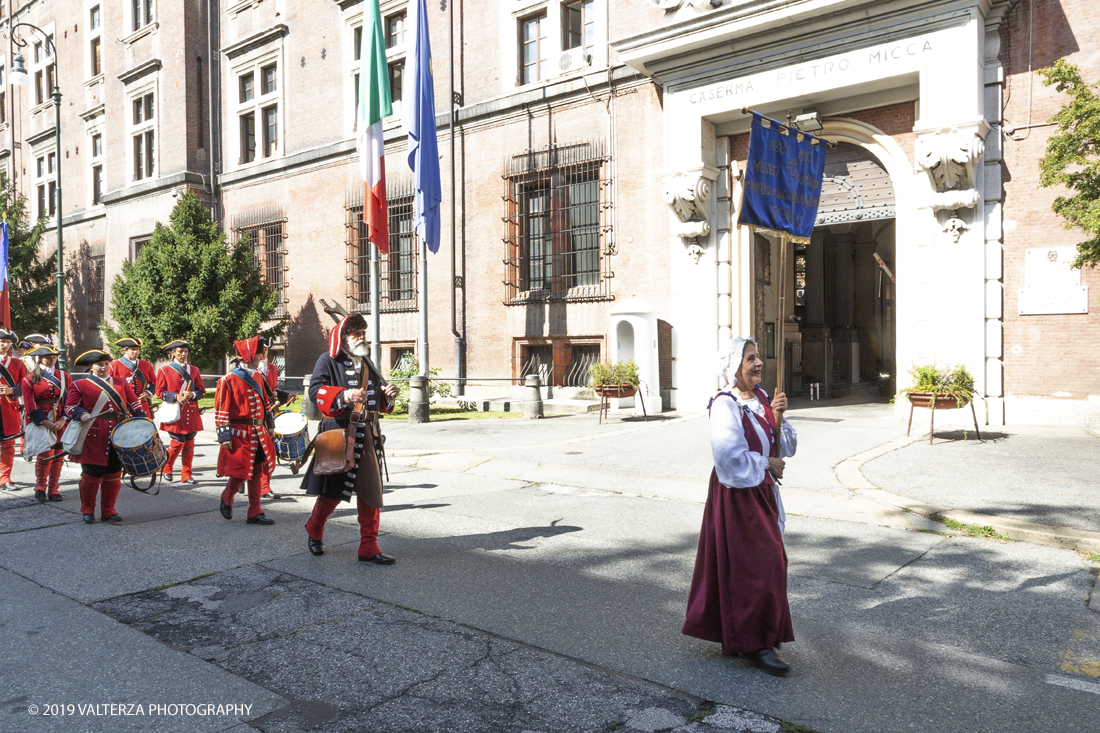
<point>542,573</point>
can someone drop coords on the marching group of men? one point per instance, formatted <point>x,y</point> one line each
<point>39,402</point>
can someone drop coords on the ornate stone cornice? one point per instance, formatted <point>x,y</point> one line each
<point>687,192</point>
<point>949,157</point>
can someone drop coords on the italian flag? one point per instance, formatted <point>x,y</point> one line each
<point>374,104</point>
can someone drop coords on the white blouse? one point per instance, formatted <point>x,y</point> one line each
<point>737,466</point>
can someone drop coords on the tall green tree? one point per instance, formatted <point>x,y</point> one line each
<point>1073,157</point>
<point>187,283</point>
<point>32,288</point>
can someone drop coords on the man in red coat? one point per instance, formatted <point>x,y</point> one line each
<point>43,390</point>
<point>100,464</point>
<point>181,383</point>
<point>12,374</point>
<point>243,419</point>
<point>135,370</point>
<point>270,373</point>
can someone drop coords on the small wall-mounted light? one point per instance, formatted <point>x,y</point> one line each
<point>808,121</point>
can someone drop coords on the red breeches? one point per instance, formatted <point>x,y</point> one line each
<point>254,493</point>
<point>47,473</point>
<point>368,523</point>
<point>107,488</point>
<point>7,458</point>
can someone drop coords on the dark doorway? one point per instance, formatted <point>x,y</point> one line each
<point>845,296</point>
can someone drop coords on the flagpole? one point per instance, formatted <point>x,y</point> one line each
<point>422,297</point>
<point>375,308</point>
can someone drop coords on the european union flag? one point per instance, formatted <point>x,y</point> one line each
<point>419,116</point>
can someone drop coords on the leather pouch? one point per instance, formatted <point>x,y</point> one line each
<point>334,450</point>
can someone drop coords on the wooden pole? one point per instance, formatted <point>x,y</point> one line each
<point>780,344</point>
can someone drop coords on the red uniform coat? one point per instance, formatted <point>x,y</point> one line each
<point>142,380</point>
<point>243,396</point>
<point>170,383</point>
<point>11,416</point>
<point>40,401</point>
<point>81,398</point>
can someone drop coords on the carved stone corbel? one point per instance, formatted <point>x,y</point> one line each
<point>687,193</point>
<point>949,157</point>
<point>672,5</point>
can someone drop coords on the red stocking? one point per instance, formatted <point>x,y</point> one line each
<point>322,510</point>
<point>368,530</point>
<point>7,457</point>
<point>174,448</point>
<point>188,459</point>
<point>89,487</point>
<point>55,475</point>
<point>112,482</point>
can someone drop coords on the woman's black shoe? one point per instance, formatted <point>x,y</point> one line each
<point>768,661</point>
<point>317,547</point>
<point>39,495</point>
<point>259,519</point>
<point>379,559</point>
<point>89,519</point>
<point>113,519</point>
<point>227,509</point>
<point>57,497</point>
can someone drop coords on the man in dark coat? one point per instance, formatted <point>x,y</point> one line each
<point>334,388</point>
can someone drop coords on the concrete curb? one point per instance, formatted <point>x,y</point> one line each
<point>1069,538</point>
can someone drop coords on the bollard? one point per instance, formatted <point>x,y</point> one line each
<point>309,407</point>
<point>532,403</point>
<point>418,399</point>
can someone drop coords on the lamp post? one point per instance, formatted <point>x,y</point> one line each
<point>19,77</point>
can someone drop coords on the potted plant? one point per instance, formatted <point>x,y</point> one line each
<point>615,380</point>
<point>936,387</point>
<point>943,388</point>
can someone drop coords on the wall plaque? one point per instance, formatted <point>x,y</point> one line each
<point>1051,286</point>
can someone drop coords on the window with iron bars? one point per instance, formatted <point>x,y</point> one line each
<point>397,270</point>
<point>557,227</point>
<point>266,232</point>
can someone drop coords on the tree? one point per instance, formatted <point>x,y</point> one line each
<point>187,283</point>
<point>31,286</point>
<point>1073,158</point>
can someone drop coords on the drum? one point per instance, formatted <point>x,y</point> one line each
<point>138,446</point>
<point>291,436</point>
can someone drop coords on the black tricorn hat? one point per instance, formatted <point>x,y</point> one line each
<point>37,338</point>
<point>176,344</point>
<point>128,343</point>
<point>92,356</point>
<point>42,350</point>
<point>6,335</point>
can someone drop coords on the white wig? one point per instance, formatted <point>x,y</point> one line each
<point>730,356</point>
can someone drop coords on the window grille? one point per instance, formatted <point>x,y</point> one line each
<point>582,358</point>
<point>539,359</point>
<point>398,269</point>
<point>265,229</point>
<point>558,234</point>
<point>97,284</point>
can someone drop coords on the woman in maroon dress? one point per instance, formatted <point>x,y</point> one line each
<point>739,590</point>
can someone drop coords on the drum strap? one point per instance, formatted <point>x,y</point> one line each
<point>135,374</point>
<point>111,393</point>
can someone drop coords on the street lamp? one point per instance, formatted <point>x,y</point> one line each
<point>19,77</point>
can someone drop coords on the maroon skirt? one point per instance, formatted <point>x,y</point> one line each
<point>739,590</point>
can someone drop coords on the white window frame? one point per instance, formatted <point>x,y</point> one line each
<point>255,62</point>
<point>39,64</point>
<point>511,13</point>
<point>352,23</point>
<point>97,160</point>
<point>4,91</point>
<point>92,34</point>
<point>45,178</point>
<point>147,15</point>
<point>132,130</point>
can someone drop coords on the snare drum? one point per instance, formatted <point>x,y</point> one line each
<point>138,446</point>
<point>291,436</point>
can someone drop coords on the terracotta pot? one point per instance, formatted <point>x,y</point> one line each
<point>615,391</point>
<point>943,402</point>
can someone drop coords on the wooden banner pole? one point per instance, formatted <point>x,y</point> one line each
<point>780,344</point>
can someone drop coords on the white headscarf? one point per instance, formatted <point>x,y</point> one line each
<point>730,356</point>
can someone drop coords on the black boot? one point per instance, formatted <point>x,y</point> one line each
<point>766,660</point>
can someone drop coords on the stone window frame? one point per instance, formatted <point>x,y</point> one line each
<point>146,125</point>
<point>92,35</point>
<point>255,61</point>
<point>96,126</point>
<point>44,178</point>
<point>353,25</point>
<point>41,61</point>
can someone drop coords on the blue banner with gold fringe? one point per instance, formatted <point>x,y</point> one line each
<point>782,184</point>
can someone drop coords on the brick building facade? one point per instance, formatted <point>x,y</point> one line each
<point>577,122</point>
